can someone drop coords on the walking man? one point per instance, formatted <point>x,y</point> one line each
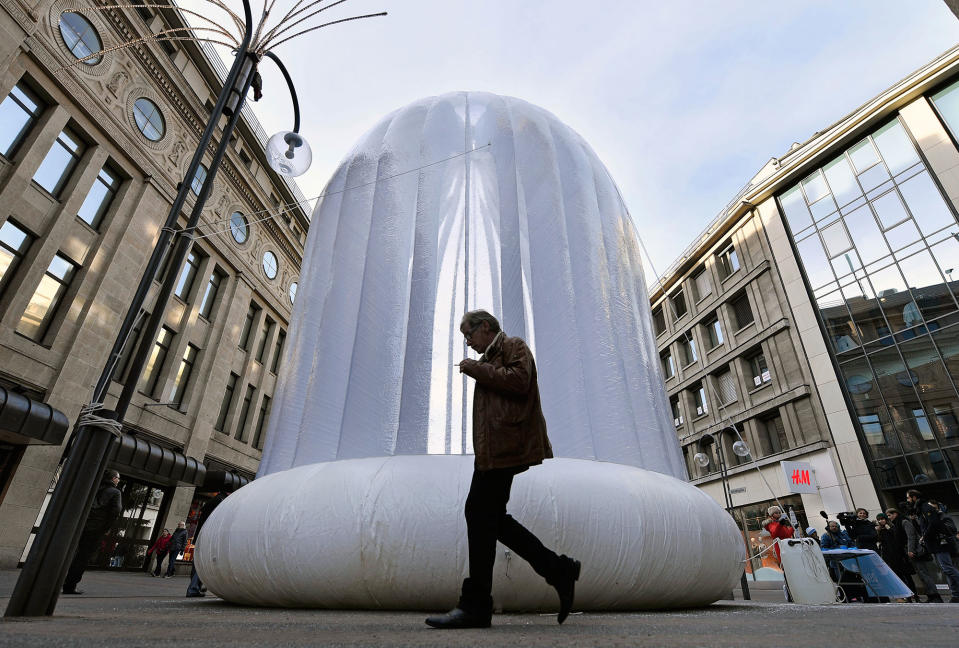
<point>177,546</point>
<point>107,507</point>
<point>509,436</point>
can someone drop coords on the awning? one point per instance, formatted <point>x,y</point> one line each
<point>217,480</point>
<point>27,421</point>
<point>149,461</point>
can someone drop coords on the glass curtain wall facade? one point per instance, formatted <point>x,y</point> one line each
<point>879,244</point>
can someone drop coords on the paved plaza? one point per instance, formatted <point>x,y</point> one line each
<point>132,609</point>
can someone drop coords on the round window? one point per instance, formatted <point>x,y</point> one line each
<point>80,36</point>
<point>149,119</point>
<point>293,288</point>
<point>198,179</point>
<point>238,227</point>
<point>269,264</point>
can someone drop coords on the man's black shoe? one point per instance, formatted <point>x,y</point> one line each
<point>566,586</point>
<point>72,591</point>
<point>934,599</point>
<point>457,618</point>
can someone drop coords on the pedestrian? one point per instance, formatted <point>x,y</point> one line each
<point>509,436</point>
<point>195,587</point>
<point>940,540</point>
<point>811,532</point>
<point>863,530</point>
<point>892,546</point>
<point>834,537</point>
<point>177,546</point>
<point>160,548</point>
<point>778,526</point>
<point>919,557</point>
<point>107,507</point>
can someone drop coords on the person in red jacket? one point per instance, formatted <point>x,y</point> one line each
<point>162,548</point>
<point>778,527</point>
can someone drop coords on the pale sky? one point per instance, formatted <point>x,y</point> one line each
<point>683,101</point>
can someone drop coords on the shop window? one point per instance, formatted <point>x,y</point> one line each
<point>726,383</point>
<point>699,399</point>
<point>98,199</point>
<point>59,163</point>
<point>687,346</point>
<point>261,423</point>
<point>714,332</point>
<point>678,300</point>
<point>278,354</point>
<point>702,286</point>
<point>226,404</point>
<point>248,326</point>
<point>772,435</point>
<point>183,374</point>
<point>210,294</point>
<point>18,113</point>
<point>155,361</point>
<point>185,283</point>
<point>241,434</point>
<point>47,298</point>
<point>14,243</point>
<point>742,313</point>
<point>727,260</point>
<point>677,413</point>
<point>264,337</point>
<point>669,368</point>
<point>759,368</point>
<point>659,321</point>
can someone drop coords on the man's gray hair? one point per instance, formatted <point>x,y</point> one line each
<point>477,317</point>
<point>109,474</point>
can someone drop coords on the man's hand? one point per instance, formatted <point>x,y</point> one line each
<point>912,555</point>
<point>467,365</point>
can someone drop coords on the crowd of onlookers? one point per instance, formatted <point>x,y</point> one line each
<point>915,539</point>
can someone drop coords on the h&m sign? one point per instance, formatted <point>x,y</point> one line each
<point>800,476</point>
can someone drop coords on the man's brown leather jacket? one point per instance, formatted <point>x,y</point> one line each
<point>508,425</point>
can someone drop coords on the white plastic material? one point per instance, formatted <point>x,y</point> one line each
<point>529,226</point>
<point>806,572</point>
<point>389,533</point>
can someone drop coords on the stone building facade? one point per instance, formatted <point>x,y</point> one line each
<point>816,317</point>
<point>91,153</point>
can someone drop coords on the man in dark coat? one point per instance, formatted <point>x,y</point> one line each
<point>107,507</point>
<point>892,545</point>
<point>196,585</point>
<point>177,545</point>
<point>509,436</point>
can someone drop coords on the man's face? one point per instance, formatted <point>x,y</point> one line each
<point>912,499</point>
<point>862,515</point>
<point>833,527</point>
<point>115,480</point>
<point>477,336</point>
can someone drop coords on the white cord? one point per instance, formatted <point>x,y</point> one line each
<point>89,417</point>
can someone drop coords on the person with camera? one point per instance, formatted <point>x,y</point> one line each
<point>861,529</point>
<point>919,557</point>
<point>778,526</point>
<point>834,537</point>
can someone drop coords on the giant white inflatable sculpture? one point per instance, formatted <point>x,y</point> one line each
<point>458,202</point>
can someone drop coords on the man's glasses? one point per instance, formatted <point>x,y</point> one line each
<point>469,334</point>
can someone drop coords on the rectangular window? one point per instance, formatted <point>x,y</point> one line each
<point>59,163</point>
<point>248,326</point>
<point>728,261</point>
<point>659,321</point>
<point>669,369</point>
<point>760,370</point>
<point>261,423</point>
<point>155,361</point>
<point>715,332</point>
<point>677,414</point>
<point>227,403</point>
<point>18,113</point>
<point>182,380</point>
<point>699,399</point>
<point>264,336</point>
<point>742,313</point>
<point>185,282</point>
<point>701,284</point>
<point>46,299</point>
<point>678,300</point>
<point>209,295</point>
<point>98,200</point>
<point>241,434</point>
<point>688,347</point>
<point>14,243</point>
<point>772,435</point>
<point>726,383</point>
<point>278,355</point>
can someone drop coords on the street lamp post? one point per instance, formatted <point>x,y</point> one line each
<point>44,571</point>
<point>740,449</point>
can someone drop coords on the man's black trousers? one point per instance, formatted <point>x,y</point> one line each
<point>486,522</point>
<point>89,539</point>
